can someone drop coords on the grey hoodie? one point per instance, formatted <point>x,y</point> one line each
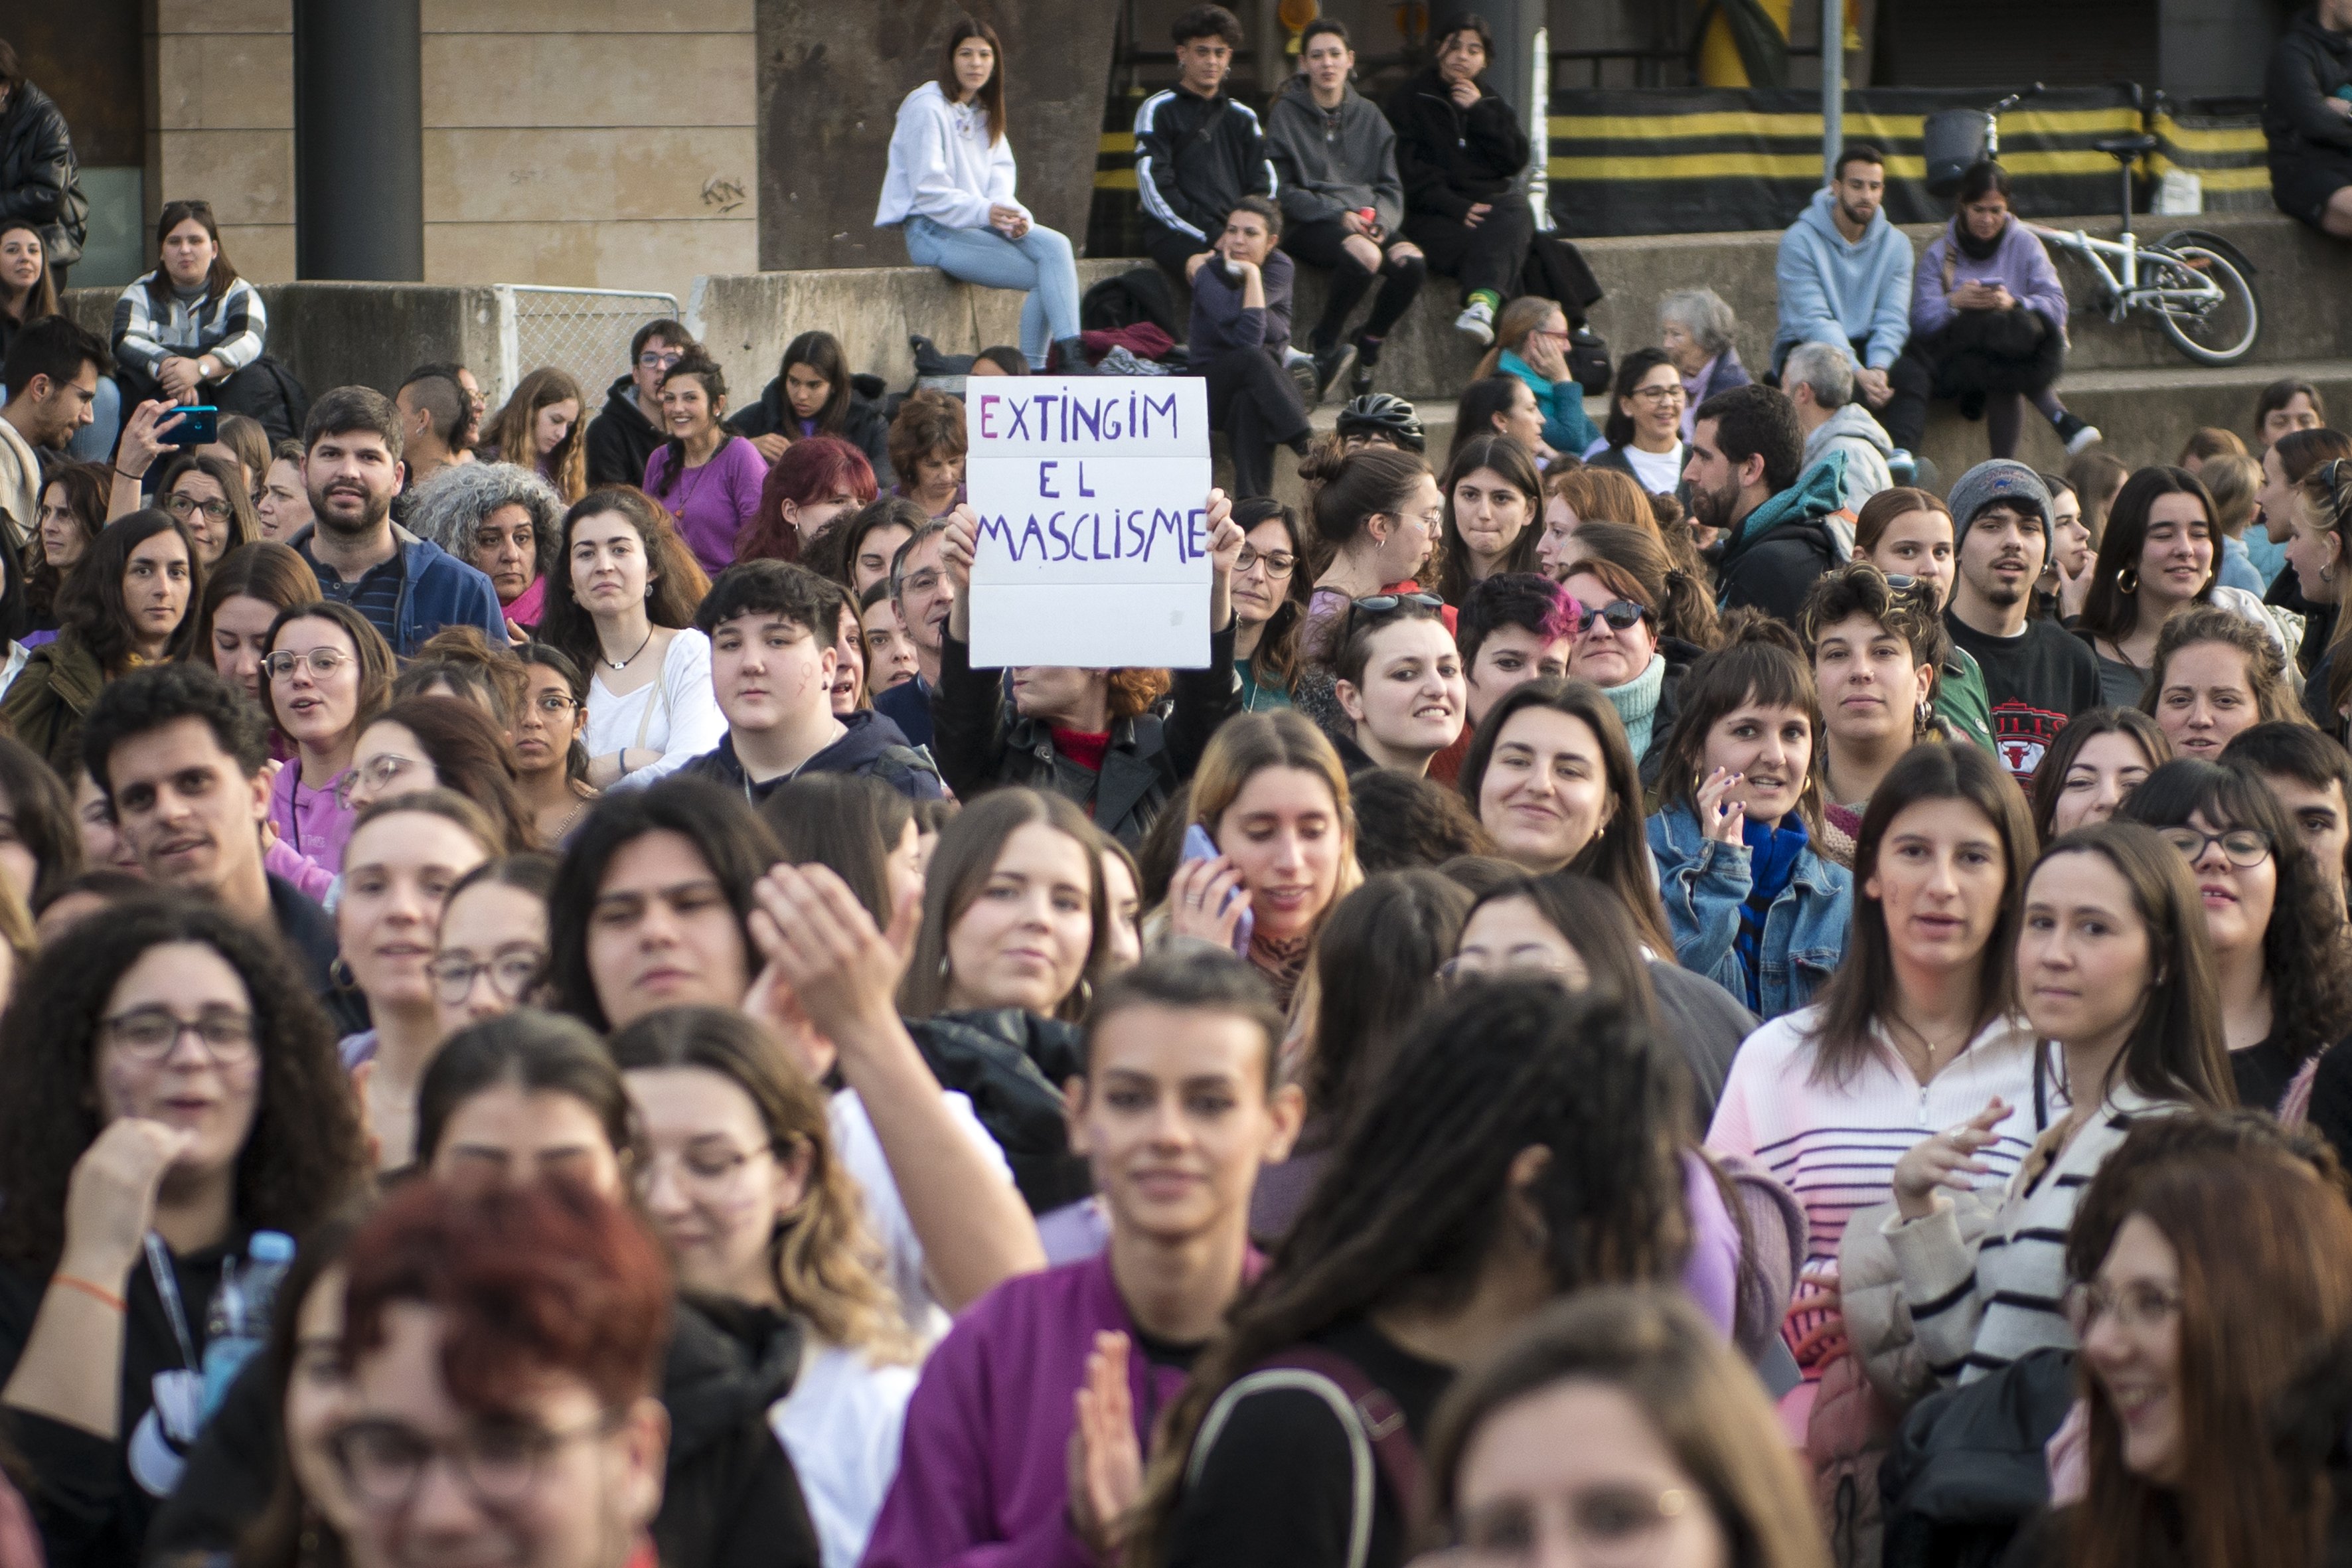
<point>1332,162</point>
<point>1866,447</point>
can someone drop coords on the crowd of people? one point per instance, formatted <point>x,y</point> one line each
<point>1680,993</point>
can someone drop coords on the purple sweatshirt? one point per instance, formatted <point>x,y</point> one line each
<point>2018,264</point>
<point>712,503</point>
<point>983,1472</point>
<point>311,820</point>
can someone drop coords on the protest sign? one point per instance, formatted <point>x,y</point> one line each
<point>1093,545</point>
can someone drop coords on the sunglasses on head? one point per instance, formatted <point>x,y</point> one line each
<point>1382,604</point>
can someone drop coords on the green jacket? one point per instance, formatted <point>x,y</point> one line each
<point>45,706</point>
<point>1962,702</point>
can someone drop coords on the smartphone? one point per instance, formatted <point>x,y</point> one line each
<point>199,424</point>
<point>1199,845</point>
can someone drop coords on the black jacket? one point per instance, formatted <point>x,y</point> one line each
<point>862,424</point>
<point>620,439</point>
<point>981,741</point>
<point>1775,568</point>
<point>874,748</point>
<point>730,1499</point>
<point>1679,657</point>
<point>1452,158</point>
<point>2306,66</point>
<point>1195,157</point>
<point>1011,1064</point>
<point>38,178</point>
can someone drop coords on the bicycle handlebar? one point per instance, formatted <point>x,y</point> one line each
<point>2013,100</point>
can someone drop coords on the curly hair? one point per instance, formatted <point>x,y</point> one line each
<point>2265,664</point>
<point>447,508</point>
<point>674,580</point>
<point>303,1154</point>
<point>161,694</point>
<point>826,1264</point>
<point>2307,948</point>
<point>1419,1192</point>
<point>1859,588</point>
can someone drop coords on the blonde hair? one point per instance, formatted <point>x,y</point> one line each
<point>1246,745</point>
<point>1519,318</point>
<point>1603,495</point>
<point>2232,479</point>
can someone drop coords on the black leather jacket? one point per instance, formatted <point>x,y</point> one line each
<point>38,176</point>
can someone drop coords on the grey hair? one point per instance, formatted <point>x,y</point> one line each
<point>1702,313</point>
<point>448,507</point>
<point>1824,367</point>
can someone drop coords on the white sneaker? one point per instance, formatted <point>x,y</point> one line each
<point>2088,436</point>
<point>1476,323</point>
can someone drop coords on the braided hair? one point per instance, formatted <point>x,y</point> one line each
<point>1418,1193</point>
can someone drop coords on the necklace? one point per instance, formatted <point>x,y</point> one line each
<point>1921,1035</point>
<point>624,663</point>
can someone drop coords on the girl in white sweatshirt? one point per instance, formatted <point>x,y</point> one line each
<point>950,190</point>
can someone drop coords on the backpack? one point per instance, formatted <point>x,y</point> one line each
<point>1139,294</point>
<point>1381,1445</point>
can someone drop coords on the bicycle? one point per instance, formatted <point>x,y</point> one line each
<point>2192,282</point>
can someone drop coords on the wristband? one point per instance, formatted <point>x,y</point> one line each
<point>99,1293</point>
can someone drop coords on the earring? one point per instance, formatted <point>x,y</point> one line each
<point>1922,718</point>
<point>340,974</point>
<point>1085,994</point>
<point>943,966</point>
<point>2128,580</point>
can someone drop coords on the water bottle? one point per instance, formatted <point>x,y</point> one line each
<point>238,1323</point>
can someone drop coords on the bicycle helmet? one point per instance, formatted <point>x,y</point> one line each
<point>1384,414</point>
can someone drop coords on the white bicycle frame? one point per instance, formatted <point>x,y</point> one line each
<point>2123,292</point>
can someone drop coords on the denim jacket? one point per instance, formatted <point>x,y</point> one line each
<point>1703,883</point>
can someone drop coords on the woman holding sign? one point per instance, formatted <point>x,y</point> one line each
<point>1088,734</point>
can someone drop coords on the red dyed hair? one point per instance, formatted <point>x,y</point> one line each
<point>531,1279</point>
<point>811,469</point>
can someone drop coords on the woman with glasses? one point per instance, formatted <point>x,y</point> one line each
<point>1380,513</point>
<point>2215,1287</point>
<point>1645,422</point>
<point>209,498</point>
<point>1269,603</point>
<point>739,1174</point>
<point>1616,1427</point>
<point>127,604</point>
<point>1619,649</point>
<point>1531,344</point>
<point>447,743</point>
<point>1875,651</point>
<point>2278,935</point>
<point>551,761</point>
<point>173,1089</point>
<point>404,856</point>
<point>326,673</point>
<point>489,955</point>
<point>1398,678</point>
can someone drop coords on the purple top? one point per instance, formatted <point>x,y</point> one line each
<point>2018,264</point>
<point>983,1469</point>
<point>311,820</point>
<point>714,502</point>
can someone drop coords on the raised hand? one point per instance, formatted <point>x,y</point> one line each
<point>1106,1476</point>
<point>111,1197</point>
<point>1947,1160</point>
<point>842,973</point>
<point>143,437</point>
<point>1720,817</point>
<point>2074,591</point>
<point>1197,900</point>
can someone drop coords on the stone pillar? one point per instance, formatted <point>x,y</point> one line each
<point>831,77</point>
<point>359,168</point>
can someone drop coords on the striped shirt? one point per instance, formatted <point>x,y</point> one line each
<point>1975,1312</point>
<point>231,329</point>
<point>1834,1144</point>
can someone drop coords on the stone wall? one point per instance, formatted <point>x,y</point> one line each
<point>220,126</point>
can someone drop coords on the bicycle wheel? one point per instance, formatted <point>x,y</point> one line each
<point>2211,331</point>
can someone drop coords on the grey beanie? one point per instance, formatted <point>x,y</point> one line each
<point>2001,480</point>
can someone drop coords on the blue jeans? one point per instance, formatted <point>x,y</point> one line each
<point>1038,263</point>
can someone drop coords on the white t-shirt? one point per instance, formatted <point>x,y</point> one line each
<point>675,713</point>
<point>1659,472</point>
<point>841,1424</point>
<point>860,1150</point>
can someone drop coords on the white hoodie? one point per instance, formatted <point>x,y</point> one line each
<point>943,166</point>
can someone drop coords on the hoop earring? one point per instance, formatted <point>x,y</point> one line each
<point>1922,718</point>
<point>2128,580</point>
<point>1085,994</point>
<point>340,974</point>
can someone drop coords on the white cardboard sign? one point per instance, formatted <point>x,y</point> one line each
<point>1093,545</point>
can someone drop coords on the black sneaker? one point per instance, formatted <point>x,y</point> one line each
<point>1368,356</point>
<point>1330,365</point>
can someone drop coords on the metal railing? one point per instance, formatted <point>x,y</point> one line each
<point>586,331</point>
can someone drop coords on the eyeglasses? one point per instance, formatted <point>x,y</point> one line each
<point>1618,615</point>
<point>512,971</point>
<point>1659,393</point>
<point>2138,1305</point>
<point>383,1461</point>
<point>1278,562</point>
<point>554,704</point>
<point>653,361</point>
<point>710,1171</point>
<point>152,1034</point>
<point>182,505</point>
<point>1382,604</point>
<point>2244,847</point>
<point>323,662</point>
<point>377,774</point>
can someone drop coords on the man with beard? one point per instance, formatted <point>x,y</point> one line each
<point>2037,674</point>
<point>1844,279</point>
<point>1745,449</point>
<point>407,587</point>
<point>52,372</point>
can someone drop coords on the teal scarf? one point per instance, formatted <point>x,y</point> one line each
<point>1636,702</point>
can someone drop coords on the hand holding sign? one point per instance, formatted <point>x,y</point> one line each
<point>1089,546</point>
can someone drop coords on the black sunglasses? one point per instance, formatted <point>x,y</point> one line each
<point>1382,604</point>
<point>1622,614</point>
